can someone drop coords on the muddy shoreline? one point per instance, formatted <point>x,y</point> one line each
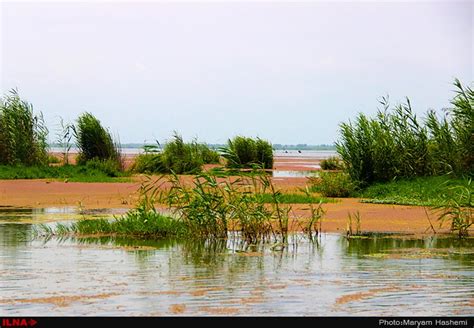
<point>47,193</point>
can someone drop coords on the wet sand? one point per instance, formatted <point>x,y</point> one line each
<point>374,217</point>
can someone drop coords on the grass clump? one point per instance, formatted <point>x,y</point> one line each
<point>22,133</point>
<point>396,144</point>
<point>177,157</point>
<point>333,184</point>
<point>95,143</point>
<point>332,163</point>
<point>243,152</point>
<point>71,173</point>
<point>137,223</point>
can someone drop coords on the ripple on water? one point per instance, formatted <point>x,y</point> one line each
<point>168,277</point>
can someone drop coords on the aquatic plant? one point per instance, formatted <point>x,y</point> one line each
<point>458,208</point>
<point>64,139</point>
<point>176,156</point>
<point>22,132</point>
<point>350,231</point>
<point>396,144</point>
<point>95,142</point>
<point>243,152</point>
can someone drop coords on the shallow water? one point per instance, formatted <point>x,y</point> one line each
<point>294,174</point>
<point>104,276</point>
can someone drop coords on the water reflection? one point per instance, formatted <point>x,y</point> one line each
<point>117,276</point>
<point>48,214</point>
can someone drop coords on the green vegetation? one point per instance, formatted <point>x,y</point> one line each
<point>351,220</point>
<point>95,143</point>
<point>177,157</point>
<point>208,211</point>
<point>84,173</point>
<point>421,191</point>
<point>22,133</point>
<point>333,184</point>
<point>331,163</point>
<point>243,152</point>
<point>139,223</point>
<point>395,144</point>
<point>458,208</point>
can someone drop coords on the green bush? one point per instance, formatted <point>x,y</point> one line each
<point>180,157</point>
<point>208,155</point>
<point>22,133</point>
<point>177,156</point>
<point>243,152</point>
<point>331,163</point>
<point>109,166</point>
<point>95,142</point>
<point>148,163</point>
<point>333,184</point>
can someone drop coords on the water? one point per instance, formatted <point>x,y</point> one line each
<point>293,174</point>
<point>313,154</point>
<point>117,277</point>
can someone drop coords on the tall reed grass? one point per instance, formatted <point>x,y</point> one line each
<point>397,144</point>
<point>95,143</point>
<point>177,157</point>
<point>244,152</point>
<point>22,133</point>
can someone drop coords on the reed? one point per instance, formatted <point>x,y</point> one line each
<point>22,133</point>
<point>243,152</point>
<point>95,143</point>
<point>396,144</point>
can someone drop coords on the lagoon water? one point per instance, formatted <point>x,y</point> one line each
<point>333,276</point>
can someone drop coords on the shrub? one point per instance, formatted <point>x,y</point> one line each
<point>242,152</point>
<point>109,166</point>
<point>22,133</point>
<point>331,163</point>
<point>180,157</point>
<point>208,155</point>
<point>148,163</point>
<point>177,156</point>
<point>95,142</point>
<point>333,184</point>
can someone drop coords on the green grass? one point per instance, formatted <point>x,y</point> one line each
<point>422,191</point>
<point>72,173</point>
<point>139,223</point>
<point>293,198</point>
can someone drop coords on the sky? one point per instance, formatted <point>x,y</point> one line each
<point>283,71</point>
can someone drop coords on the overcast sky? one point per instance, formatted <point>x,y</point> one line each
<point>287,72</point>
